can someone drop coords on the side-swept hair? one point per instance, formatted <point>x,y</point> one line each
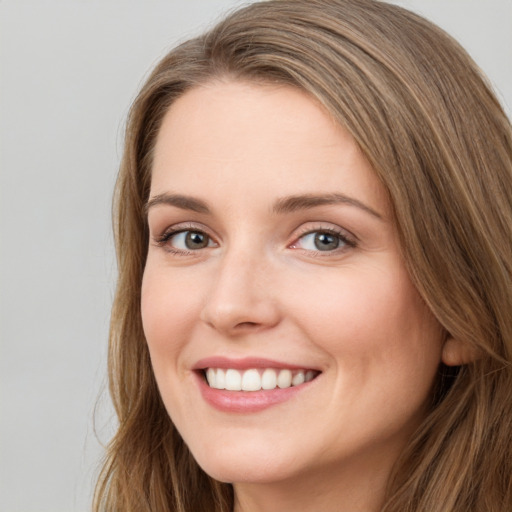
<point>439,141</point>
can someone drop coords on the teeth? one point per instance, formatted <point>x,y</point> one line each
<point>255,380</point>
<point>220,379</point>
<point>284,379</point>
<point>251,381</point>
<point>233,380</point>
<point>269,379</point>
<point>298,379</point>
<point>211,377</point>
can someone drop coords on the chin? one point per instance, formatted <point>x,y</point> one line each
<point>242,465</point>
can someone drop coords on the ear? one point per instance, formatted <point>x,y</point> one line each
<point>457,352</point>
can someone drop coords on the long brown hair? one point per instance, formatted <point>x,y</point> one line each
<point>439,141</point>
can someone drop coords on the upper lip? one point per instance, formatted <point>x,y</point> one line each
<point>246,363</point>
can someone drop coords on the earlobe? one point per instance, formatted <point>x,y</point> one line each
<point>457,353</point>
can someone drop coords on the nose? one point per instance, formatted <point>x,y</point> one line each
<point>241,298</point>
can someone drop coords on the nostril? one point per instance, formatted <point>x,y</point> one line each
<point>247,324</point>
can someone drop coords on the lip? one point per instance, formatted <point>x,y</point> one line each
<point>246,401</point>
<point>246,363</point>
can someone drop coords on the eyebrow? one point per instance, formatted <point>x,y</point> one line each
<point>179,201</point>
<point>286,204</point>
<point>307,201</point>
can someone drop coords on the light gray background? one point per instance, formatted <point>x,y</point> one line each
<point>68,72</point>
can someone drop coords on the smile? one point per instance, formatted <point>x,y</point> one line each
<point>251,384</point>
<point>257,379</point>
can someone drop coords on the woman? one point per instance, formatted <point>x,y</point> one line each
<point>314,233</point>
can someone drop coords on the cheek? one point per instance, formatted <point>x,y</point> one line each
<point>385,347</point>
<point>373,324</point>
<point>166,308</point>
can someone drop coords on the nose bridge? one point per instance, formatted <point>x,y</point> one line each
<point>240,295</point>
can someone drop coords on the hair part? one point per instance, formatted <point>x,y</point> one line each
<point>438,140</point>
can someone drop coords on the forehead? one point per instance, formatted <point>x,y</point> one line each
<point>248,137</point>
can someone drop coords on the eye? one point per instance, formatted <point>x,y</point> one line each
<point>323,241</point>
<point>192,240</point>
<point>186,240</point>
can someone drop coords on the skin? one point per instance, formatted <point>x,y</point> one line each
<point>262,288</point>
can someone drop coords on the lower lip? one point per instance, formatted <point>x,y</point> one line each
<point>246,401</point>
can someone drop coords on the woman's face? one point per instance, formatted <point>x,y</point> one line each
<point>274,265</point>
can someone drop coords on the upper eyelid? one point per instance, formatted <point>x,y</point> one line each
<point>303,230</point>
<point>164,239</point>
<point>326,227</point>
<point>184,226</point>
<point>347,241</point>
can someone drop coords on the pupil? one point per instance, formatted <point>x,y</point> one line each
<point>326,242</point>
<point>196,240</point>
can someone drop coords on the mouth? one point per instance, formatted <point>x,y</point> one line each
<point>252,384</point>
<point>256,379</point>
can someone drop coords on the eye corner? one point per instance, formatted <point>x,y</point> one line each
<point>183,239</point>
<point>321,240</point>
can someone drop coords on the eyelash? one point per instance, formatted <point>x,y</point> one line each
<point>163,239</point>
<point>345,240</point>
